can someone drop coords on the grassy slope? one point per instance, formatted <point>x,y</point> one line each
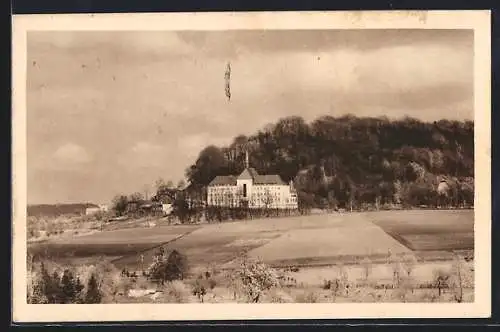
<point>318,239</point>
<point>115,243</point>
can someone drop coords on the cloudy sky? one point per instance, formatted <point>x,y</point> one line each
<point>111,112</point>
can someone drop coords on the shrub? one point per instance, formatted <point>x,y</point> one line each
<point>212,283</point>
<point>427,296</point>
<point>199,289</point>
<point>113,284</point>
<point>342,281</point>
<point>33,231</point>
<point>141,283</point>
<point>173,267</point>
<point>235,284</point>
<point>279,296</point>
<point>327,284</point>
<point>201,286</point>
<point>441,279</point>
<point>336,286</point>
<point>307,297</point>
<point>405,287</point>
<point>176,292</point>
<point>256,277</point>
<point>403,269</point>
<point>284,279</point>
<point>409,262</point>
<point>212,270</point>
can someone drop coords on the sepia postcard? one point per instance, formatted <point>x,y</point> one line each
<point>247,166</point>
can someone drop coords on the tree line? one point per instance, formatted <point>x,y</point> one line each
<point>354,162</point>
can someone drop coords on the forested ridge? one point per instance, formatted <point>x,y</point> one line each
<point>351,161</point>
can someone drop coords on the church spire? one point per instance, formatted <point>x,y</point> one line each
<point>247,163</point>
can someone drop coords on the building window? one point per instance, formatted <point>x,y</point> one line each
<point>244,190</point>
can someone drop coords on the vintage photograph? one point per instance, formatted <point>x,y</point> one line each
<point>257,166</point>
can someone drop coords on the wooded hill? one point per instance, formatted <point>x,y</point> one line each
<point>350,161</point>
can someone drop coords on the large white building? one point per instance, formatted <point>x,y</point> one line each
<point>252,190</point>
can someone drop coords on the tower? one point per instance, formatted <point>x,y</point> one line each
<point>247,162</point>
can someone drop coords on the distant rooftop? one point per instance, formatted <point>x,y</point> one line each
<point>269,179</point>
<point>247,174</point>
<point>222,180</point>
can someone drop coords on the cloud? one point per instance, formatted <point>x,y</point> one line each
<point>132,44</point>
<point>386,70</point>
<point>396,78</point>
<point>71,154</point>
<point>240,42</point>
<point>68,157</point>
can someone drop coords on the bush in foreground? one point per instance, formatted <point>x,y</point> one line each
<point>255,278</point>
<point>307,297</point>
<point>280,296</point>
<point>176,292</point>
<point>173,266</point>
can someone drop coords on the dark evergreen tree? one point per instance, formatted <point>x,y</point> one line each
<point>176,266</point>
<point>93,294</point>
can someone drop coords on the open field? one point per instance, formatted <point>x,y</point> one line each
<point>304,240</point>
<point>111,244</point>
<point>356,237</point>
<point>429,230</point>
<point>319,247</point>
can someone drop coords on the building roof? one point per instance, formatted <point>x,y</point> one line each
<point>247,174</point>
<point>253,172</point>
<point>269,179</point>
<point>221,180</point>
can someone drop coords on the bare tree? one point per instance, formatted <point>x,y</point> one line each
<point>409,263</point>
<point>396,267</point>
<point>159,184</point>
<point>459,277</point>
<point>367,267</point>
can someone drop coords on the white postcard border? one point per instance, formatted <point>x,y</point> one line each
<point>479,21</point>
